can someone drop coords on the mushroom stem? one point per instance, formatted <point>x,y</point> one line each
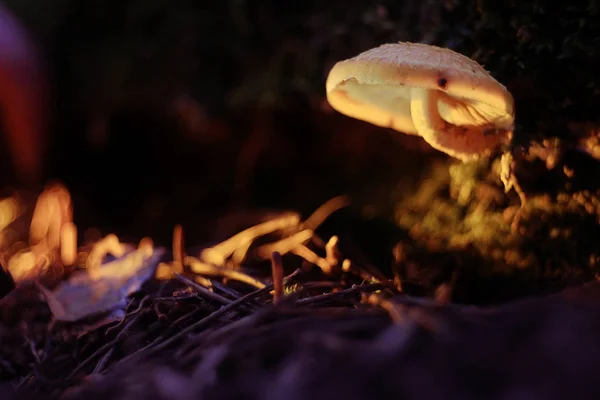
<point>426,116</point>
<point>466,143</point>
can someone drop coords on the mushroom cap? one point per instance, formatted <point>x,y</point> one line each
<point>375,86</point>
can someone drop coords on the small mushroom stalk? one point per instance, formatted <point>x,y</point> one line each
<point>466,142</point>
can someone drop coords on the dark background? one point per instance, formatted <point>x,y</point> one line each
<point>179,112</point>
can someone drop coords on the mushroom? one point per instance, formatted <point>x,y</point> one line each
<point>448,99</point>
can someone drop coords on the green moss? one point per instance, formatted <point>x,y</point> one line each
<point>461,208</point>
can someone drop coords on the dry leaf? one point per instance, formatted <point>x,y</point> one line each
<point>107,289</point>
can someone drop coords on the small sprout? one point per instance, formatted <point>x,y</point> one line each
<point>291,289</point>
<point>277,271</point>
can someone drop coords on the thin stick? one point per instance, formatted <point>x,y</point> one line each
<point>138,351</point>
<point>369,287</point>
<point>157,345</point>
<point>102,363</point>
<point>312,257</point>
<point>277,269</point>
<point>88,360</point>
<point>110,346</point>
<point>137,310</point>
<point>206,320</point>
<point>286,245</point>
<point>68,243</point>
<point>203,291</point>
<point>178,244</point>
<point>332,253</point>
<point>203,268</point>
<point>324,211</point>
<point>219,253</point>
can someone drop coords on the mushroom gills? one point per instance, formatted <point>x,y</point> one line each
<point>467,142</point>
<point>460,111</point>
<point>386,106</point>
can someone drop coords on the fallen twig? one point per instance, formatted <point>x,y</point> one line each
<point>285,245</point>
<point>203,268</point>
<point>324,211</point>
<point>218,254</point>
<point>355,289</point>
<point>202,291</point>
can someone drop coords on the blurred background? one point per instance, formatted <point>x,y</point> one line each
<point>182,112</point>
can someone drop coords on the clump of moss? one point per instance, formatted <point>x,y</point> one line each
<point>461,210</point>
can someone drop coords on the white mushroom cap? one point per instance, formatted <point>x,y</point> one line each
<point>443,96</point>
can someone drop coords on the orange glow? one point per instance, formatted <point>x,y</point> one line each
<point>52,210</point>
<point>68,243</point>
<point>52,235</point>
<point>95,286</point>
